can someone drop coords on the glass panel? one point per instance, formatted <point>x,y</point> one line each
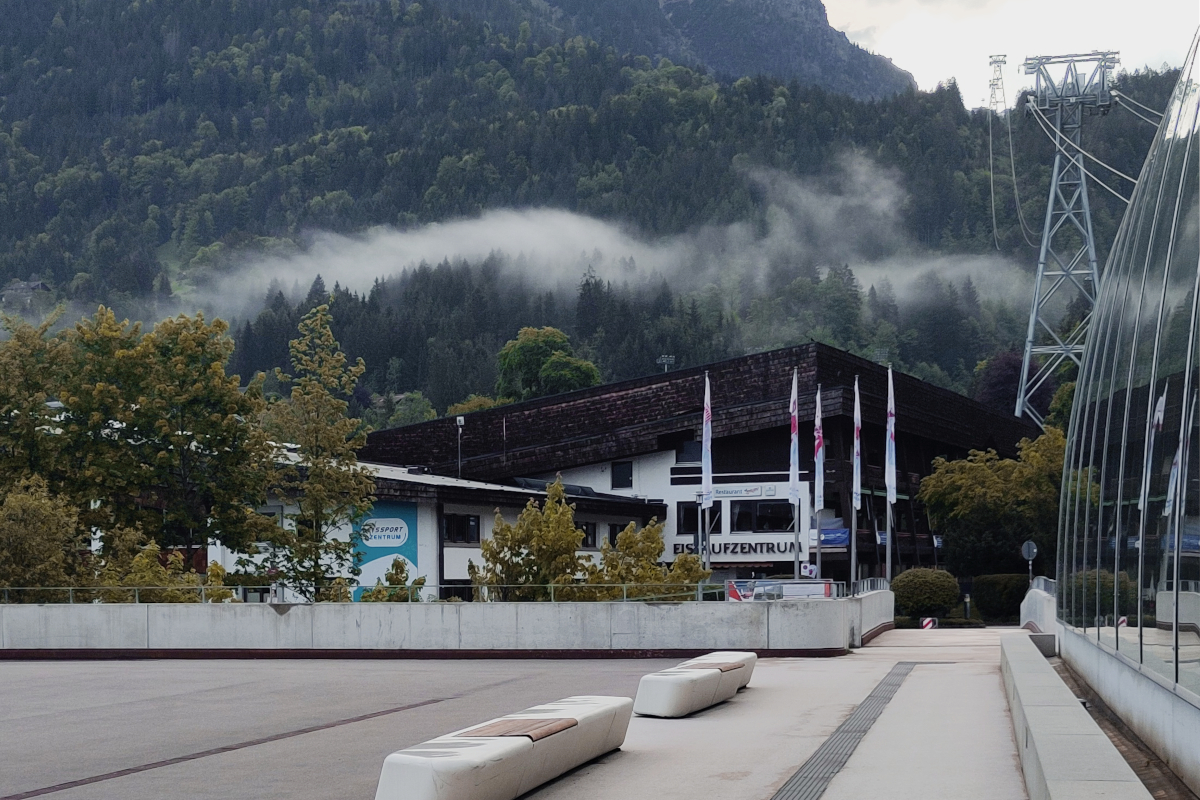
<point>1129,538</point>
<point>775,516</point>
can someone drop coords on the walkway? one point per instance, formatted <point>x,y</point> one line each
<point>320,729</point>
<point>946,732</point>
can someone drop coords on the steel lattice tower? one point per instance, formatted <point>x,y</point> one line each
<point>997,103</point>
<point>1067,257</point>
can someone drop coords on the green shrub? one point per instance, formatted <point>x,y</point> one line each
<point>960,623</point>
<point>925,592</point>
<point>999,596</point>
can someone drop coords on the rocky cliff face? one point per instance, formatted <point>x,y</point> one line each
<point>784,38</point>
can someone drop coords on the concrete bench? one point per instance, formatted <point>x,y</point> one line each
<point>506,757</point>
<point>747,659</point>
<point>694,684</point>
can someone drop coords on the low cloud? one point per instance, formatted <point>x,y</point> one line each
<point>851,216</point>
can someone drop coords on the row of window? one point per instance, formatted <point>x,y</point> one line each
<point>464,529</point>
<point>748,516</point>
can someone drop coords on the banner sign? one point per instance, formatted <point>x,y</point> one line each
<point>392,532</point>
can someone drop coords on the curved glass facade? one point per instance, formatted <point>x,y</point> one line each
<point>1129,535</point>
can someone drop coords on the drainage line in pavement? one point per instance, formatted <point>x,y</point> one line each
<point>229,748</point>
<point>814,776</point>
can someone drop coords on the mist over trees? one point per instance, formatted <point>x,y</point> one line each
<point>441,330</point>
<point>143,145</point>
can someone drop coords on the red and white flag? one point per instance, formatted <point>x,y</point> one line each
<point>706,473</point>
<point>818,457</point>
<point>889,457</point>
<point>794,460</point>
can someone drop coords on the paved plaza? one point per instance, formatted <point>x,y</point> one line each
<point>315,729</point>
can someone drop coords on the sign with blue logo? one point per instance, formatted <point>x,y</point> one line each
<point>391,531</point>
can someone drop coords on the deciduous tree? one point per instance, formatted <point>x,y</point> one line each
<point>40,540</point>
<point>986,506</point>
<point>209,461</point>
<point>540,549</point>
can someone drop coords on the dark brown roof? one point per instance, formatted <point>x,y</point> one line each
<point>644,415</point>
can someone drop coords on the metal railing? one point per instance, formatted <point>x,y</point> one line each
<point>1044,584</point>
<point>784,589</point>
<point>87,595</point>
<point>758,589</point>
<point>553,593</point>
<point>871,585</point>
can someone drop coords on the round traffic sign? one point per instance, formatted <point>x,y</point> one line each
<point>1029,551</point>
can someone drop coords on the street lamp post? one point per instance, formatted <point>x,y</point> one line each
<point>461,422</point>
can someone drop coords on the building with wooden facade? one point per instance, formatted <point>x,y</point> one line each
<point>641,439</point>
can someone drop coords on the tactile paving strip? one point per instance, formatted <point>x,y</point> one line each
<point>813,777</point>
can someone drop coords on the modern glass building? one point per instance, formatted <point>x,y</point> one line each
<point>1129,537</point>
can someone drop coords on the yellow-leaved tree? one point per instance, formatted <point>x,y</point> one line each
<point>522,561</point>
<point>397,589</point>
<point>634,563</point>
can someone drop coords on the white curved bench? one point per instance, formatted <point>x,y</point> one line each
<point>695,684</point>
<point>506,757</point>
<point>746,659</point>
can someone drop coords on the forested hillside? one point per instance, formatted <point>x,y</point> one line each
<point>784,39</point>
<point>145,145</point>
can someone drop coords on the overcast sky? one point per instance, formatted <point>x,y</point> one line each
<point>940,39</point>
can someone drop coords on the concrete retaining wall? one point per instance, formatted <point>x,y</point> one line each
<point>1038,612</point>
<point>824,626</point>
<point>1189,611</point>
<point>874,612</point>
<point>1165,717</point>
<point>1064,754</point>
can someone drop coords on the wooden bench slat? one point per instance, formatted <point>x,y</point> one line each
<point>724,667</point>
<point>535,729</point>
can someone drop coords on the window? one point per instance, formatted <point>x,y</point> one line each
<point>762,516</point>
<point>614,530</point>
<point>460,528</point>
<point>622,475</point>
<point>689,516</point>
<point>589,535</point>
<point>688,453</point>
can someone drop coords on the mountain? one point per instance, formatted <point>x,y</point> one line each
<point>144,145</point>
<point>784,39</point>
<point>789,39</point>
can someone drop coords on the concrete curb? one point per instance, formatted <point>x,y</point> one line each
<point>1064,754</point>
<point>140,654</point>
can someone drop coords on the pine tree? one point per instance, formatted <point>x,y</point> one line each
<point>324,480</point>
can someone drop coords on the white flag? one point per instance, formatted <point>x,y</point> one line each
<point>889,457</point>
<point>856,487</point>
<point>1160,411</point>
<point>706,473</point>
<point>794,461</point>
<point>818,457</point>
<point>1172,481</point>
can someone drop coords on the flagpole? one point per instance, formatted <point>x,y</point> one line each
<point>818,475</point>
<point>794,473</point>
<point>856,488</point>
<point>889,542</point>
<point>706,472</point>
<point>889,469</point>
